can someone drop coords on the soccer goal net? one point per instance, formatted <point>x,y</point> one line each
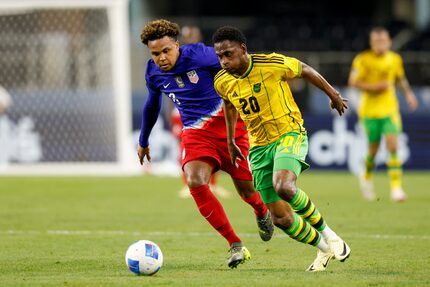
<point>65,85</point>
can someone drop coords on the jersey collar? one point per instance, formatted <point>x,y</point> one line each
<point>251,64</point>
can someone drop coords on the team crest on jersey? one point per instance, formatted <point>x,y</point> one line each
<point>193,77</point>
<point>257,87</point>
<point>179,82</point>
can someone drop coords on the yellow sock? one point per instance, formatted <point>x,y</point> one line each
<point>394,171</point>
<point>370,165</point>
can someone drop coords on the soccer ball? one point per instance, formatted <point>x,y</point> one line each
<point>144,257</point>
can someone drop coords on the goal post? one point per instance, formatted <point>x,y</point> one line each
<point>66,67</point>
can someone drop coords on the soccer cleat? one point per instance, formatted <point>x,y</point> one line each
<point>398,195</point>
<point>366,187</point>
<point>320,263</point>
<point>265,226</point>
<point>339,248</point>
<point>238,254</point>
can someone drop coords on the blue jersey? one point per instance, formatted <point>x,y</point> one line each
<point>190,86</point>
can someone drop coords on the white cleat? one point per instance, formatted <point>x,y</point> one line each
<point>339,248</point>
<point>398,195</point>
<point>320,263</point>
<point>366,187</point>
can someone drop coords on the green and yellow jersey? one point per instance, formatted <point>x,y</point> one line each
<point>370,68</point>
<point>263,98</point>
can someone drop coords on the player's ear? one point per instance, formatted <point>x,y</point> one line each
<point>243,48</point>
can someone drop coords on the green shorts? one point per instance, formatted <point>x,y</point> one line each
<point>376,127</point>
<point>287,153</point>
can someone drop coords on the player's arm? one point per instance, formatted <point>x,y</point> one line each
<point>357,75</point>
<point>409,95</point>
<point>150,113</point>
<point>230,115</point>
<point>311,75</point>
<point>371,88</point>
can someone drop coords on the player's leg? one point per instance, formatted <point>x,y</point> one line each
<point>283,217</point>
<point>298,229</point>
<point>373,131</point>
<point>199,161</point>
<point>366,179</point>
<point>288,164</point>
<point>262,162</point>
<point>242,180</point>
<point>305,211</point>
<point>198,174</point>
<point>391,129</point>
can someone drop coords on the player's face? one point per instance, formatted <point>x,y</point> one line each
<point>380,42</point>
<point>232,56</point>
<point>164,52</point>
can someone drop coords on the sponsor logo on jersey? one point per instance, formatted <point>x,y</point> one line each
<point>193,77</point>
<point>179,82</point>
<point>235,95</point>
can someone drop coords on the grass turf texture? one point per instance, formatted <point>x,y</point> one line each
<point>75,231</point>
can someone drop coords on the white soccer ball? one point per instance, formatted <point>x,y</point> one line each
<point>144,257</point>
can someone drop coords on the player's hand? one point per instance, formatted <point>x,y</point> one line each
<point>143,152</point>
<point>235,154</point>
<point>338,103</point>
<point>411,100</point>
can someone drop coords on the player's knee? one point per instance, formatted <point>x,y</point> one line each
<point>286,189</point>
<point>195,180</point>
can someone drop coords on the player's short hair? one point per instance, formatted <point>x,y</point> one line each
<point>228,33</point>
<point>157,29</point>
<point>379,29</point>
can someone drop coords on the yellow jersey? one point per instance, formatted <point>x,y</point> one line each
<point>263,98</point>
<point>370,68</point>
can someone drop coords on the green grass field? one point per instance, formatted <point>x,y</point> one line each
<point>74,231</point>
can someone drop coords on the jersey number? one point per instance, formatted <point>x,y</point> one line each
<point>253,103</point>
<point>174,99</point>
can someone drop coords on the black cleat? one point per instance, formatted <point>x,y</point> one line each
<point>265,227</point>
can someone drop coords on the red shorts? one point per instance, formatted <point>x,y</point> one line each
<point>197,145</point>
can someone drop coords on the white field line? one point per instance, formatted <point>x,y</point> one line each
<point>195,234</point>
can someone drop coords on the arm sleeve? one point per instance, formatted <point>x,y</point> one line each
<point>150,113</point>
<point>400,72</point>
<point>293,67</point>
<point>356,69</point>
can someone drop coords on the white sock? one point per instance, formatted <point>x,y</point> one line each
<point>327,233</point>
<point>323,246</point>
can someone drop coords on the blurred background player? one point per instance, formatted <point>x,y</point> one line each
<point>185,74</point>
<point>191,34</point>
<point>376,72</point>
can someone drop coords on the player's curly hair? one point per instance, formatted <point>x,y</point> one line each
<point>157,29</point>
<point>228,33</point>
